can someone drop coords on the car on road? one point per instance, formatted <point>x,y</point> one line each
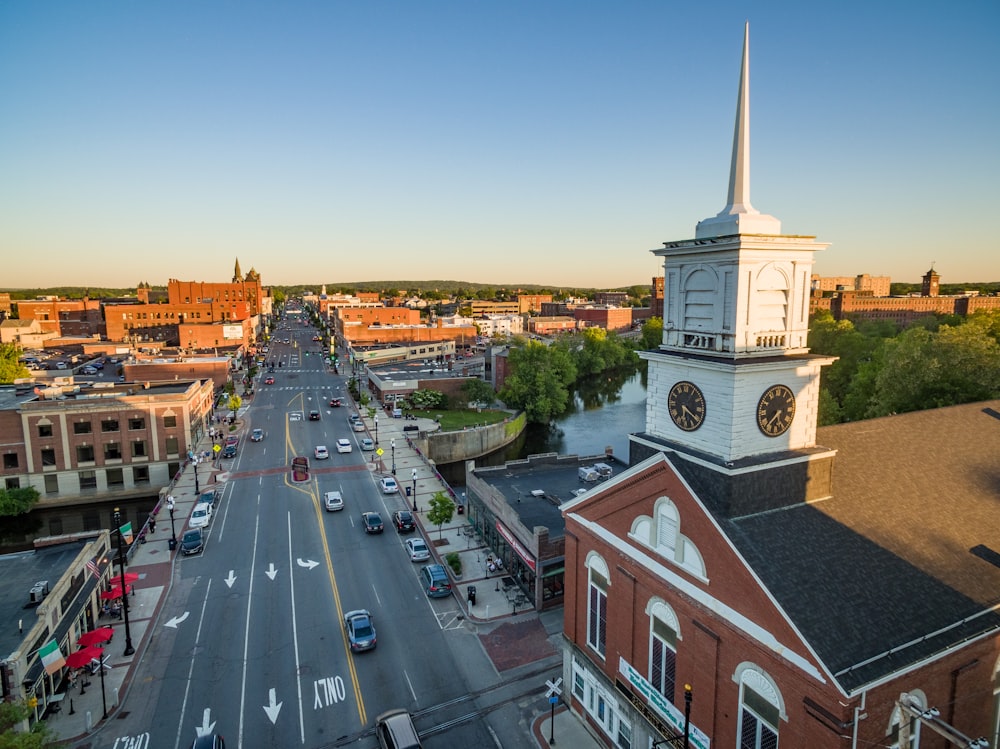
<point>367,443</point>
<point>268,380</point>
<point>209,741</point>
<point>257,435</point>
<point>192,542</point>
<point>333,501</point>
<point>314,416</point>
<point>417,549</point>
<point>403,520</point>
<point>343,445</point>
<point>229,451</point>
<point>360,630</point>
<point>372,522</point>
<point>435,580</point>
<point>388,485</point>
<point>321,453</point>
<point>394,730</point>
<point>201,516</point>
<point>336,403</point>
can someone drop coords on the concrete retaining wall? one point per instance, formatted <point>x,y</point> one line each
<point>470,443</point>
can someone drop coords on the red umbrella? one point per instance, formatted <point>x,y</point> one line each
<point>81,658</point>
<point>115,592</point>
<point>95,636</point>
<point>130,577</point>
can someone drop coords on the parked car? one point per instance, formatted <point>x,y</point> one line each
<point>333,501</point>
<point>372,522</point>
<point>343,445</point>
<point>360,630</point>
<point>192,542</point>
<point>353,418</point>
<point>417,549</point>
<point>209,498</point>
<point>388,485</point>
<point>233,440</point>
<point>321,453</point>
<point>435,580</point>
<point>314,416</point>
<point>201,516</point>
<point>358,426</point>
<point>403,520</point>
<point>367,444</point>
<point>229,451</point>
<point>88,370</point>
<point>257,435</point>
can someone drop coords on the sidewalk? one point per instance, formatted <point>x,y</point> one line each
<point>83,709</point>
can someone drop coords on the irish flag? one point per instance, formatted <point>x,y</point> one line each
<point>52,657</point>
<point>126,531</point>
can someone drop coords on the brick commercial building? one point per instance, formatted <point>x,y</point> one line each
<point>786,585</point>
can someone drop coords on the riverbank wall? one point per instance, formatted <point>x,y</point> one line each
<point>469,443</point>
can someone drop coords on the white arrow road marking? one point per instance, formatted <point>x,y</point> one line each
<point>270,571</point>
<point>231,579</point>
<point>207,724</point>
<point>308,563</point>
<point>176,620</point>
<point>272,709</point>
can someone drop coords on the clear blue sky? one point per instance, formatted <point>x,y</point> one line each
<point>497,142</point>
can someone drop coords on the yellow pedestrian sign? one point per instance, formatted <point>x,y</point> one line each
<point>380,452</point>
<point>216,448</point>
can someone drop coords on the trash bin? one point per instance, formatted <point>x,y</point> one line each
<point>171,543</point>
<point>407,491</point>
<point>461,509</point>
<point>472,595</point>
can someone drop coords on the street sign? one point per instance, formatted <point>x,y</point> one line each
<point>554,690</point>
<point>216,448</point>
<point>380,452</point>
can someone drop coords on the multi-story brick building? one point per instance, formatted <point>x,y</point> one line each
<point>611,298</point>
<point>872,285</point>
<point>609,318</point>
<point>786,585</point>
<point>531,304</point>
<point>552,325</point>
<point>64,317</point>
<point>72,442</point>
<point>656,303</point>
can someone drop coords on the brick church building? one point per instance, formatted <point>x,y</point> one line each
<point>753,581</point>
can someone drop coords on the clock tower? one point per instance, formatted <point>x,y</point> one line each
<point>732,391</point>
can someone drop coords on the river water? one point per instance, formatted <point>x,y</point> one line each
<point>604,412</point>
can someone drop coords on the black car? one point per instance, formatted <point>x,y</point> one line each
<point>192,542</point>
<point>229,451</point>
<point>209,741</point>
<point>314,416</point>
<point>403,520</point>
<point>372,522</point>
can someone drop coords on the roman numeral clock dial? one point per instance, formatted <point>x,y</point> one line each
<point>775,410</point>
<point>686,405</point>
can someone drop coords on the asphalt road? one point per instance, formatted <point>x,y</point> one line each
<point>258,652</point>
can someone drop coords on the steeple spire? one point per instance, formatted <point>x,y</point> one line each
<point>237,276</point>
<point>739,217</point>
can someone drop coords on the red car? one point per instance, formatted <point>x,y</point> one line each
<point>269,381</point>
<point>334,402</point>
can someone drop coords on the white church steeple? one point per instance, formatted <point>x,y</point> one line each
<point>739,217</point>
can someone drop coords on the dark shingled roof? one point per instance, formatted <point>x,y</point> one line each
<point>903,561</point>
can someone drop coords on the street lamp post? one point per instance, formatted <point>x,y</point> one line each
<point>413,475</point>
<point>170,506</point>
<point>104,697</point>
<point>121,571</point>
<point>196,461</point>
<point>392,445</point>
<point>376,429</point>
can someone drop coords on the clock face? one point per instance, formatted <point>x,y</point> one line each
<point>686,405</point>
<point>775,410</point>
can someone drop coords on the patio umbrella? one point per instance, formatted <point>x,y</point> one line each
<point>115,592</point>
<point>81,658</point>
<point>95,636</point>
<point>130,577</point>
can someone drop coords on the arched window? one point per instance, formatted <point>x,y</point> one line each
<point>761,708</point>
<point>663,637</point>
<point>598,582</point>
<point>896,721</point>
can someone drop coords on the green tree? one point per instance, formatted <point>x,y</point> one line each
<point>441,510</point>
<point>12,715</point>
<point>426,398</point>
<point>10,367</point>
<point>539,380</point>
<point>17,501</point>
<point>478,391</point>
<point>930,370</point>
<point>595,351</point>
<point>652,333</point>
